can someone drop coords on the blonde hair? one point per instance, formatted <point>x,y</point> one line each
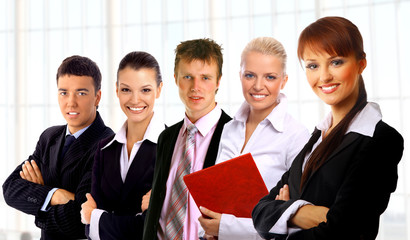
<point>266,46</point>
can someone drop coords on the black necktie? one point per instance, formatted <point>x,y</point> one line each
<point>68,140</point>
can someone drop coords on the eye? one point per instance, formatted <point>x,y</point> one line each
<point>337,62</point>
<point>187,77</point>
<point>205,78</point>
<point>62,93</point>
<point>82,93</point>
<point>311,66</point>
<point>146,90</point>
<point>125,90</point>
<point>249,75</point>
<point>270,77</point>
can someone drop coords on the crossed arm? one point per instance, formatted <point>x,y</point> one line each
<point>31,172</point>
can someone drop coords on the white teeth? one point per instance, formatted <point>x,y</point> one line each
<point>136,109</point>
<point>258,96</point>
<point>196,98</point>
<point>329,88</point>
<point>73,113</point>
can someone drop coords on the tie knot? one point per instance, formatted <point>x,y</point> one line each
<point>191,129</point>
<point>69,139</point>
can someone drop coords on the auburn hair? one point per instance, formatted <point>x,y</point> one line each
<point>338,37</point>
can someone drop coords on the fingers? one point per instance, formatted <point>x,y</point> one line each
<point>283,193</point>
<point>26,171</point>
<point>207,212</point>
<point>37,172</point>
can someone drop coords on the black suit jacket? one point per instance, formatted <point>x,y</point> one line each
<point>355,183</point>
<point>122,200</point>
<point>165,149</point>
<point>72,173</point>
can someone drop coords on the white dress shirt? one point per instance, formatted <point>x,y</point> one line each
<point>274,144</point>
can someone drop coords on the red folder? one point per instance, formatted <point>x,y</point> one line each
<point>234,186</point>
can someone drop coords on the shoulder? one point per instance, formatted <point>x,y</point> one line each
<point>170,131</point>
<point>52,132</point>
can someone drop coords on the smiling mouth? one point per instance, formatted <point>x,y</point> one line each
<point>73,113</point>
<point>258,96</point>
<point>329,88</point>
<point>195,98</point>
<point>136,109</point>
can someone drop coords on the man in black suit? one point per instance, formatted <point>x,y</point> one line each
<point>51,184</point>
<point>197,72</point>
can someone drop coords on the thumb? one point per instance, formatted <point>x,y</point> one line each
<point>89,197</point>
<point>208,212</point>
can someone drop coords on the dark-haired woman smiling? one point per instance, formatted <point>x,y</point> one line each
<point>341,181</point>
<point>124,164</point>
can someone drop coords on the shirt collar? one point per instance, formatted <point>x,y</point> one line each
<point>205,123</point>
<point>276,117</point>
<point>154,129</point>
<point>363,123</point>
<point>76,134</point>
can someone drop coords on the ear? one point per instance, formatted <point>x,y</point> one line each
<point>97,98</point>
<point>362,65</point>
<point>175,77</point>
<point>116,88</point>
<point>159,88</point>
<point>284,81</point>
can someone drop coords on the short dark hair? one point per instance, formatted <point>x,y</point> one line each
<point>204,49</point>
<point>80,66</point>
<point>138,60</point>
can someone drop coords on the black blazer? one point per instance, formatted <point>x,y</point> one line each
<point>165,149</point>
<point>121,200</point>
<point>355,183</point>
<point>72,173</point>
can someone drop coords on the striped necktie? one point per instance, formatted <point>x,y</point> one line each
<point>179,193</point>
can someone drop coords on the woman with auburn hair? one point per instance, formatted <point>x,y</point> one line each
<point>341,181</point>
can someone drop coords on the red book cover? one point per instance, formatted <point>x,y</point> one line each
<point>233,187</point>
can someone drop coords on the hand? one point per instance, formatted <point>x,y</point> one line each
<point>283,193</point>
<point>145,201</point>
<point>87,208</point>
<point>31,172</point>
<point>211,224</point>
<point>309,216</point>
<point>61,196</point>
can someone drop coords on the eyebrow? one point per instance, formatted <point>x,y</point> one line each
<point>77,90</point>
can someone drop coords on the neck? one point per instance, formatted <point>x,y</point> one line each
<point>194,116</point>
<point>257,116</point>
<point>136,130</point>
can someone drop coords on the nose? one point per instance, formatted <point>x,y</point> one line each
<point>72,100</point>
<point>325,75</point>
<point>195,86</point>
<point>258,84</point>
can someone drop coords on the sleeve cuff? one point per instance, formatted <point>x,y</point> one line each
<point>281,226</point>
<point>44,208</point>
<point>95,224</point>
<point>231,227</point>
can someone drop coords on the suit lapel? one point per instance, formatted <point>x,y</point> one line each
<point>216,138</point>
<point>55,160</point>
<point>137,168</point>
<point>112,169</point>
<point>347,141</point>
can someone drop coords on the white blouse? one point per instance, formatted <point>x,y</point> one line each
<point>274,144</point>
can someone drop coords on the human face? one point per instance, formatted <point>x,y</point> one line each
<point>197,83</point>
<point>78,100</point>
<point>137,91</point>
<point>334,79</point>
<point>262,79</point>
